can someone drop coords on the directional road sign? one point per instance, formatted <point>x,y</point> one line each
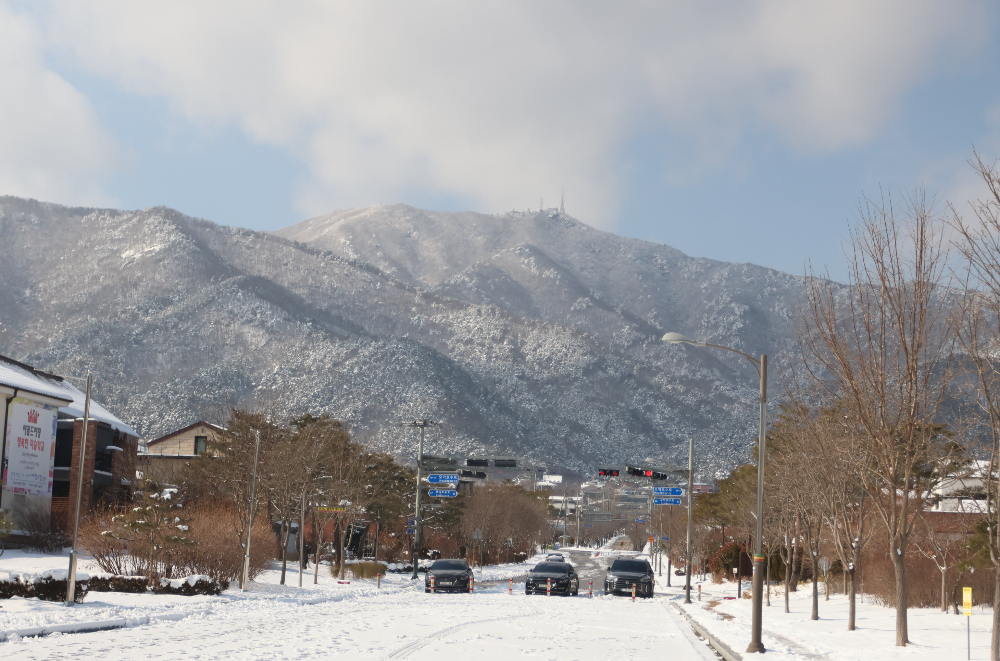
<point>443,493</point>
<point>668,491</point>
<point>640,520</point>
<point>413,522</point>
<point>590,525</point>
<point>409,531</point>
<point>443,478</point>
<point>666,501</point>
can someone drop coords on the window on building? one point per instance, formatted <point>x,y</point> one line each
<point>200,444</point>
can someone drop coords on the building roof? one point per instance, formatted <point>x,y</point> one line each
<point>185,429</point>
<point>28,381</point>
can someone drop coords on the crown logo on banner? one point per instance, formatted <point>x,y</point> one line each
<point>33,416</point>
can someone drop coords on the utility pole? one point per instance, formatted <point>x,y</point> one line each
<point>690,499</point>
<point>422,425</point>
<point>71,574</point>
<point>670,542</point>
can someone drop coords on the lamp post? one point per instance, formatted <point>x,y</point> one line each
<point>421,425</point>
<point>245,578</point>
<point>758,554</point>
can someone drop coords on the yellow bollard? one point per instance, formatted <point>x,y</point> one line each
<point>432,585</point>
<point>548,587</point>
<point>510,586</point>
<point>591,590</point>
<point>633,592</point>
<point>472,579</point>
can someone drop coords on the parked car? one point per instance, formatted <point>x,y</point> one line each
<point>449,576</point>
<point>562,574</point>
<point>555,557</point>
<point>626,572</point>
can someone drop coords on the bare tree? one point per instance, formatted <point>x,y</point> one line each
<point>980,246</point>
<point>884,345</point>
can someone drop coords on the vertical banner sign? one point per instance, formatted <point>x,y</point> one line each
<point>31,448</point>
<point>967,611</point>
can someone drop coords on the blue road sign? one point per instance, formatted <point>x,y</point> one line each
<point>644,520</point>
<point>442,478</point>
<point>413,522</point>
<point>667,539</point>
<point>587,525</point>
<point>666,501</point>
<point>410,531</point>
<point>668,491</point>
<point>443,493</point>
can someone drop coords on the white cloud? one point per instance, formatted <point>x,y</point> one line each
<point>52,146</point>
<point>503,102</point>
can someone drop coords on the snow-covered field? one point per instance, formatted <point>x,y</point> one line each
<point>399,621</point>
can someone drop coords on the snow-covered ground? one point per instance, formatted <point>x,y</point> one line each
<point>398,621</point>
<point>934,636</point>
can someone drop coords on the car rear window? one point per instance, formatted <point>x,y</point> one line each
<point>557,567</point>
<point>629,565</point>
<point>449,564</point>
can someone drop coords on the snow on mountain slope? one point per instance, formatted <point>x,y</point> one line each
<point>536,336</point>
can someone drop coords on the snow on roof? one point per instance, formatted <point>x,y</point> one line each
<point>24,377</point>
<point>97,412</point>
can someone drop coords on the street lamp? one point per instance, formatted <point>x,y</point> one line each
<point>758,553</point>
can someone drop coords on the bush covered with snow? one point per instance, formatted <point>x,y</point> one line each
<point>191,585</point>
<point>113,583</point>
<point>47,586</point>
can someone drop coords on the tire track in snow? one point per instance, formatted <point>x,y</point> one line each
<point>406,650</point>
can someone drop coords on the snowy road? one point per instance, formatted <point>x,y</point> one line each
<point>400,623</point>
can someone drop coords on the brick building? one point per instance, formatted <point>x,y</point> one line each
<point>41,424</point>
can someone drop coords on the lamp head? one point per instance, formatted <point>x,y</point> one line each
<point>677,338</point>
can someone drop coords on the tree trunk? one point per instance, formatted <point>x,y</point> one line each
<point>898,564</point>
<point>995,634</point>
<point>815,582</point>
<point>788,576</point>
<point>796,568</point>
<point>944,590</point>
<point>285,530</point>
<point>852,608</point>
<point>343,551</point>
<point>767,575</point>
<point>843,576</point>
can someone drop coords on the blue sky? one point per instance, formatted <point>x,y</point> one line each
<point>744,135</point>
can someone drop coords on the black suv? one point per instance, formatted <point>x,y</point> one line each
<point>626,572</point>
<point>560,575</point>
<point>449,576</point>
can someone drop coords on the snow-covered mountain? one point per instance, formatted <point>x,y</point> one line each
<point>532,335</point>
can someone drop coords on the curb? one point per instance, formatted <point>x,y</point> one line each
<point>717,645</point>
<point>99,625</point>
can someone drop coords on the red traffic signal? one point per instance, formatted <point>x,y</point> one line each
<point>608,472</point>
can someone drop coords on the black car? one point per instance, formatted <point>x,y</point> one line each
<point>564,579</point>
<point>449,576</point>
<point>626,572</point>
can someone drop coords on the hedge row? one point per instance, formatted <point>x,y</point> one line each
<point>45,587</point>
<point>53,588</point>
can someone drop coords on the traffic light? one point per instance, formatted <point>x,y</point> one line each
<point>429,462</point>
<point>505,463</point>
<point>657,475</point>
<point>608,472</point>
<point>636,472</point>
<point>483,463</point>
<point>479,475</point>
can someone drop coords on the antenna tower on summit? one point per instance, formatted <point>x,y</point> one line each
<point>562,202</point>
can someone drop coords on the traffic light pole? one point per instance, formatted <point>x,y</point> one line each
<point>416,514</point>
<point>690,499</point>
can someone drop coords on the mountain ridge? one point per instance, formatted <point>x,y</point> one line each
<point>538,336</point>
